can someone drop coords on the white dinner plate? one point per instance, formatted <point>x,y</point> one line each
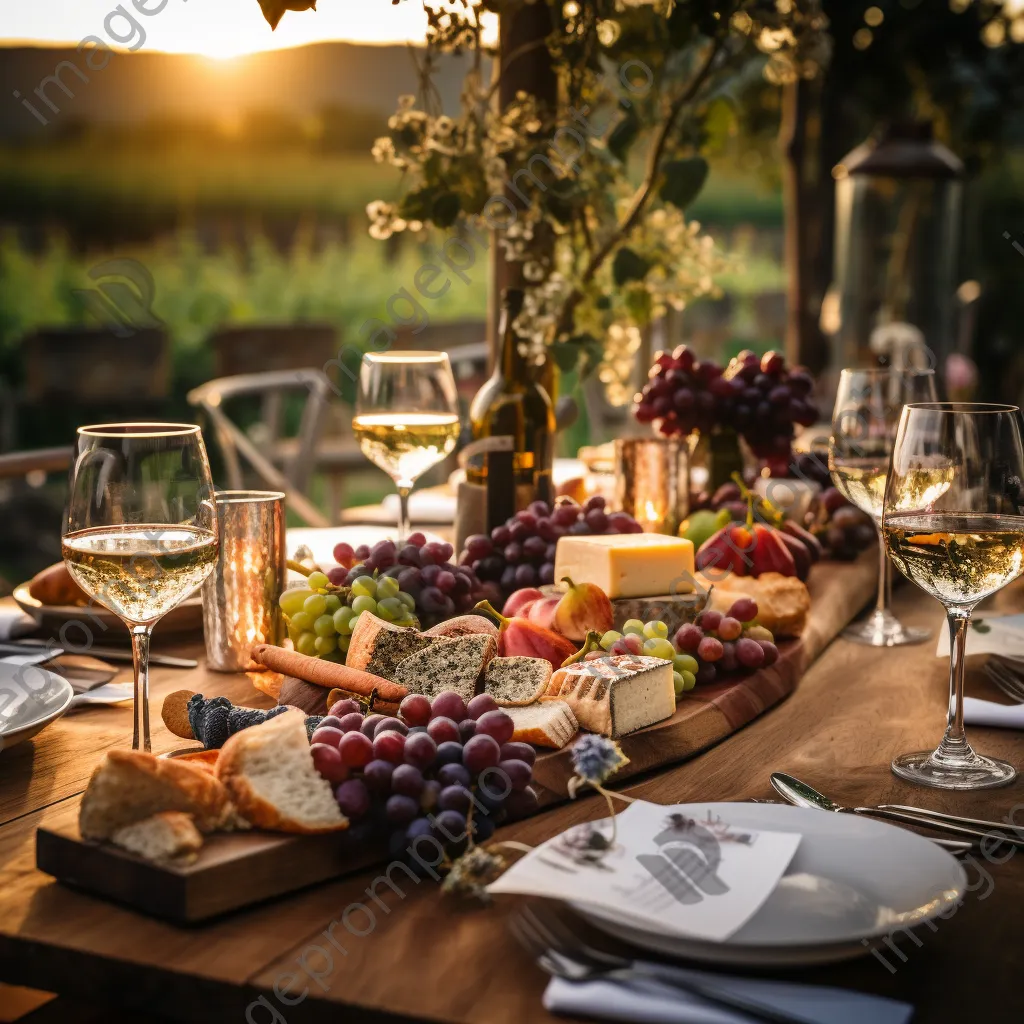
<point>852,883</point>
<point>30,699</point>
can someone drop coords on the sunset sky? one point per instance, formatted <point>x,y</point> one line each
<point>216,28</point>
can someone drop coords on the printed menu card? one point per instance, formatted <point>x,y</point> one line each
<point>697,877</point>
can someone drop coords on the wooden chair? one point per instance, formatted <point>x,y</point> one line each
<point>285,464</point>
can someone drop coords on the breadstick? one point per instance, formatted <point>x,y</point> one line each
<point>328,674</point>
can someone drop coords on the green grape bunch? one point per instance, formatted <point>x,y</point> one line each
<point>321,617</point>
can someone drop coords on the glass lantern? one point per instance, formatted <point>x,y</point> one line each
<point>893,300</point>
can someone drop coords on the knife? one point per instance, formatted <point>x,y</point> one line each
<point>109,653</point>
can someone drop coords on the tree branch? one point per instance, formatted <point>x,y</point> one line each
<point>643,194</point>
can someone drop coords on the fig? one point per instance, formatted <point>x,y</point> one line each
<point>583,608</point>
<point>518,636</point>
<point>520,600</point>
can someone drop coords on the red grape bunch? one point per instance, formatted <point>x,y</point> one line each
<point>755,395</point>
<point>521,553</point>
<point>420,774</point>
<point>441,589</point>
<point>722,644</point>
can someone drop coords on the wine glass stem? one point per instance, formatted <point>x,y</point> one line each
<point>140,657</point>
<point>884,580</point>
<point>955,739</point>
<point>404,525</point>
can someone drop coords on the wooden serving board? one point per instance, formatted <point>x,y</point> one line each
<point>232,870</point>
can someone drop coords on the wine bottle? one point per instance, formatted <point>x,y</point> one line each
<point>513,428</point>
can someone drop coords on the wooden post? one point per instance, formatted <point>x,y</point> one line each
<point>524,65</point>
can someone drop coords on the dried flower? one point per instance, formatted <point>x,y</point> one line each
<point>473,872</point>
<point>596,758</point>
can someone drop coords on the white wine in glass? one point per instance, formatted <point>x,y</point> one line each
<point>407,417</point>
<point>867,411</point>
<point>140,534</point>
<point>961,543</point>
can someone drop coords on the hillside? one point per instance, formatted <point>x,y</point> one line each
<point>135,87</point>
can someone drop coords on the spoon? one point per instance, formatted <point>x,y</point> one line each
<point>801,795</point>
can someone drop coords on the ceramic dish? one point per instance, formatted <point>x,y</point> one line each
<point>31,698</point>
<point>852,884</point>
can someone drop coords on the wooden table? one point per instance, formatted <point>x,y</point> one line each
<point>424,957</point>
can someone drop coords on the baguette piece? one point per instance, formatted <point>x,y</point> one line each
<point>130,785</point>
<point>617,695</point>
<point>378,646</point>
<point>548,724</point>
<point>169,835</point>
<point>269,772</point>
<point>518,681</point>
<point>448,665</point>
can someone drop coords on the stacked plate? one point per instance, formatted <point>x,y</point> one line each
<point>853,884</point>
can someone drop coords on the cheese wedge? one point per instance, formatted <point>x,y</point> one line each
<point>628,565</point>
<point>616,695</point>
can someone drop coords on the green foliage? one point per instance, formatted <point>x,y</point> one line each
<point>683,181</point>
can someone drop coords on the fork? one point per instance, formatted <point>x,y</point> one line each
<point>563,954</point>
<point>1006,680</point>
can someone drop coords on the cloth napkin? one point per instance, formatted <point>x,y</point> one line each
<point>14,623</point>
<point>987,712</point>
<point>646,1001</point>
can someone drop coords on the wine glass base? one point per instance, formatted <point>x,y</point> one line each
<point>883,629</point>
<point>966,771</point>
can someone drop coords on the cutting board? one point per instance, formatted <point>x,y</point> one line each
<point>233,870</point>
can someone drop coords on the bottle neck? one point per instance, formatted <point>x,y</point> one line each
<point>511,363</point>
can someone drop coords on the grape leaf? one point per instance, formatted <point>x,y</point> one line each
<point>623,136</point>
<point>629,266</point>
<point>273,10</point>
<point>683,181</point>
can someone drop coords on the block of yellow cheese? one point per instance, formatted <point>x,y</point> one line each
<point>628,565</point>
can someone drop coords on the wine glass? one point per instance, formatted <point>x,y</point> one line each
<point>140,534</point>
<point>867,412</point>
<point>407,417</point>
<point>960,542</point>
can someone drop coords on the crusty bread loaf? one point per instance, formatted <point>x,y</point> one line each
<point>56,586</point>
<point>169,835</point>
<point>518,681</point>
<point>269,772</point>
<point>783,602</point>
<point>448,665</point>
<point>550,724</point>
<point>616,695</point>
<point>129,785</point>
<point>377,646</point>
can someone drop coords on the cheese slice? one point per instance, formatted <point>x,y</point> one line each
<point>628,565</point>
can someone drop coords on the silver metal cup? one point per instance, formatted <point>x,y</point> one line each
<point>652,476</point>
<point>240,599</point>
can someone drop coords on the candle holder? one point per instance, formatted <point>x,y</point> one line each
<point>240,599</point>
<point>653,481</point>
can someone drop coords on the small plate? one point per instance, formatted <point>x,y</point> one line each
<point>187,617</point>
<point>852,883</point>
<point>30,699</point>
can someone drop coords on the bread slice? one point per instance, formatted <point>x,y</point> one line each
<point>549,724</point>
<point>269,772</point>
<point>129,785</point>
<point>448,665</point>
<point>378,646</point>
<point>518,681</point>
<point>169,835</point>
<point>617,695</point>
<point>462,625</point>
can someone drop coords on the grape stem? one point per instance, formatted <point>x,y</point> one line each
<point>300,568</point>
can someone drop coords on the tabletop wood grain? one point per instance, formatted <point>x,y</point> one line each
<point>408,954</point>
